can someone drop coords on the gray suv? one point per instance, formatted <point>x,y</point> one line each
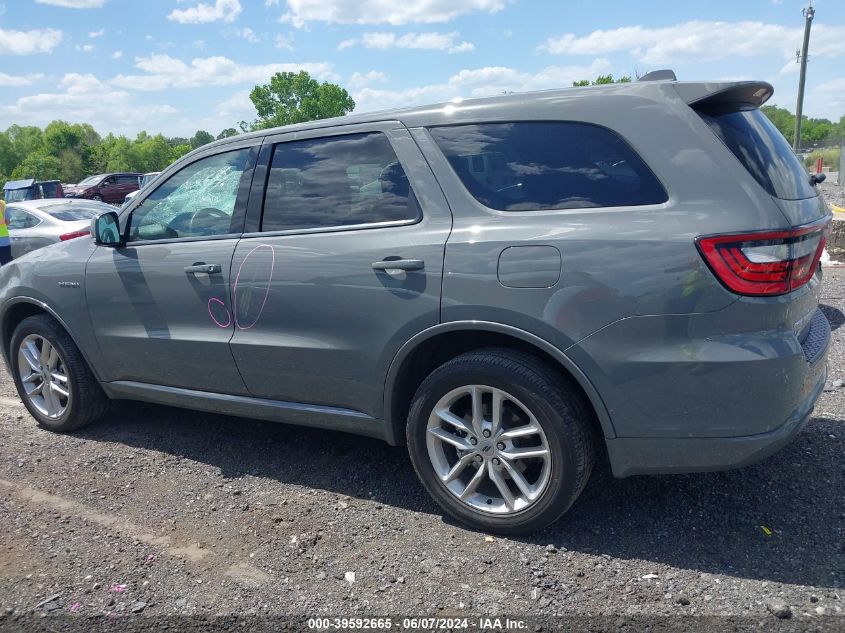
<point>512,287</point>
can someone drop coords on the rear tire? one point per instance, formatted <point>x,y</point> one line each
<point>42,353</point>
<point>540,416</point>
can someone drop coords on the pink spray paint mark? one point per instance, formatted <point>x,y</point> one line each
<point>212,303</point>
<point>240,325</point>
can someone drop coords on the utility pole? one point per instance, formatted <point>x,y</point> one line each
<point>809,12</point>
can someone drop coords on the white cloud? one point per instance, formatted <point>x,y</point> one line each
<point>84,98</point>
<point>362,80</point>
<point>248,34</point>
<point>75,4</point>
<point>425,41</point>
<point>117,55</point>
<point>163,71</point>
<point>285,42</point>
<point>480,82</point>
<point>29,42</point>
<point>87,48</point>
<point>99,33</point>
<point>700,41</point>
<point>19,80</point>
<point>202,13</point>
<point>828,100</point>
<point>384,11</point>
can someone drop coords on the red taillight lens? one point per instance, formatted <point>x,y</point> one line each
<point>69,236</point>
<point>766,262</point>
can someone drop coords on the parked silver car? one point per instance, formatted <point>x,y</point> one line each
<point>34,224</point>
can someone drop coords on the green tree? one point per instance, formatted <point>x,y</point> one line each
<point>26,140</point>
<point>40,166</point>
<point>7,154</point>
<point>201,138</point>
<point>227,133</point>
<point>602,80</point>
<point>296,98</point>
<point>178,152</point>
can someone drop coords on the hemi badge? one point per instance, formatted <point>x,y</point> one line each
<point>68,284</point>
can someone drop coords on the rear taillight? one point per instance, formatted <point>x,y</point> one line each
<point>767,262</point>
<point>70,236</point>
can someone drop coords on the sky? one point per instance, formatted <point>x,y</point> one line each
<point>176,66</point>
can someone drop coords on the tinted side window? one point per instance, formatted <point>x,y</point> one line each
<point>336,181</point>
<point>531,166</point>
<point>198,200</point>
<point>127,180</point>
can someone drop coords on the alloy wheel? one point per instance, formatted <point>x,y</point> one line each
<point>488,449</point>
<point>43,376</point>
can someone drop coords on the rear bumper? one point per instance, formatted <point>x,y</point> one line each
<point>641,456</point>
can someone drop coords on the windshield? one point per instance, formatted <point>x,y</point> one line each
<point>72,212</point>
<point>761,148</point>
<point>91,180</point>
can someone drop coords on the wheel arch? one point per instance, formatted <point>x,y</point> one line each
<point>19,308</point>
<point>431,348</point>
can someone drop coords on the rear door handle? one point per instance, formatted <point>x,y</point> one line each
<point>399,264</point>
<point>208,269</point>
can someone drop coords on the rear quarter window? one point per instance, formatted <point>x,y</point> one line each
<point>535,165</point>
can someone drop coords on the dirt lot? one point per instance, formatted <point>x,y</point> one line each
<point>158,512</point>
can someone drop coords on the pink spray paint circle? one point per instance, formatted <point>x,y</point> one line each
<point>219,313</point>
<point>252,285</point>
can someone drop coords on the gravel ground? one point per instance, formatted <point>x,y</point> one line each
<point>161,512</point>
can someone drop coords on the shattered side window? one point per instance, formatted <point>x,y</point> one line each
<point>199,200</point>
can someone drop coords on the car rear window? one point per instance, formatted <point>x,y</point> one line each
<point>764,152</point>
<point>72,213</point>
<point>535,165</point>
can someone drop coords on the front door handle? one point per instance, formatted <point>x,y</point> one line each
<point>208,269</point>
<point>399,264</point>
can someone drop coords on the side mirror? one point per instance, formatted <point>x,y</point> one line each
<point>106,230</point>
<point>817,178</point>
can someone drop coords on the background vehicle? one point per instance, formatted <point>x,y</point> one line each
<point>143,181</point>
<point>506,285</point>
<point>17,190</point>
<point>111,188</point>
<point>34,224</point>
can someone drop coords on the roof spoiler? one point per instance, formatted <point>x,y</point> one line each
<point>733,97</point>
<point>659,75</point>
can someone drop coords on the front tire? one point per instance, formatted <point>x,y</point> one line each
<point>52,378</point>
<point>501,441</point>
<point>97,197</point>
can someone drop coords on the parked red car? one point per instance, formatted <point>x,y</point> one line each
<point>110,188</point>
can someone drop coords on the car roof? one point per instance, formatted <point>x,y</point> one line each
<point>35,205</point>
<point>512,105</point>
<point>19,184</point>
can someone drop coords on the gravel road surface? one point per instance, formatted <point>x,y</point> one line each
<point>160,512</point>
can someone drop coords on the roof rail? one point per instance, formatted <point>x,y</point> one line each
<point>659,75</point>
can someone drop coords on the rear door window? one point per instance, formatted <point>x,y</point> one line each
<point>536,165</point>
<point>337,181</point>
<point>18,219</point>
<point>764,152</point>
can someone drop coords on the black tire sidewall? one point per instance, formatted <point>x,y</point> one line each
<point>561,489</point>
<point>42,327</point>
